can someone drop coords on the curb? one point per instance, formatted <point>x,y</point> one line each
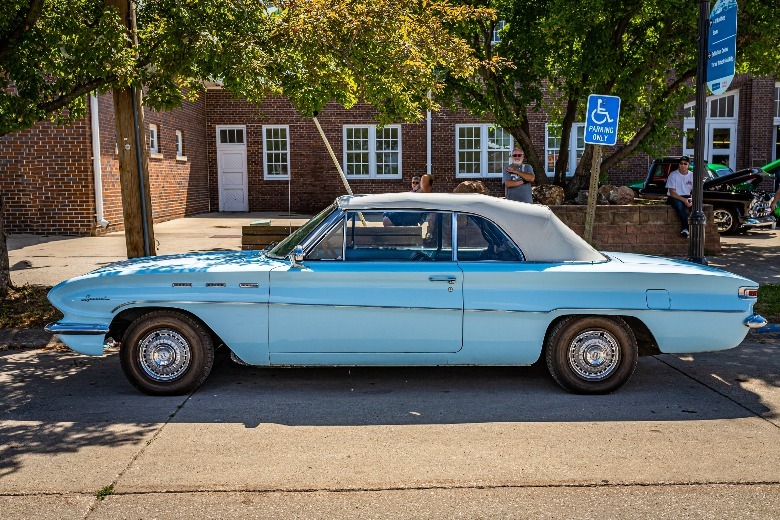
<point>26,338</point>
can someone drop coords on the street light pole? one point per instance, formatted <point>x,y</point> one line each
<point>698,219</point>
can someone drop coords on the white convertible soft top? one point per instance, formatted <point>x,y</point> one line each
<point>540,234</point>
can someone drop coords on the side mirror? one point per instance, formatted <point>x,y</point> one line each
<point>296,257</point>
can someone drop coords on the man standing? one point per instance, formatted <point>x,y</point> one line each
<point>518,178</point>
<point>678,188</point>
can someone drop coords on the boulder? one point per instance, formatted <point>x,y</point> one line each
<point>621,195</point>
<point>548,194</point>
<point>471,187</point>
<point>582,198</point>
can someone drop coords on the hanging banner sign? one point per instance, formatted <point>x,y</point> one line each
<point>722,46</point>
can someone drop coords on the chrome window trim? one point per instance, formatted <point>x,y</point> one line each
<point>509,238</point>
<point>319,234</point>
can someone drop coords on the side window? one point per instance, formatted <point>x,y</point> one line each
<point>398,236</point>
<point>480,239</point>
<point>331,246</point>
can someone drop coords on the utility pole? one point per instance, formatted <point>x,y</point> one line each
<point>133,154</point>
<point>698,219</point>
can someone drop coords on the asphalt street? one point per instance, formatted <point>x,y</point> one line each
<point>688,437</point>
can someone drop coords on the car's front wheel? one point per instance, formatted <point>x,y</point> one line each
<point>591,354</point>
<point>727,220</point>
<point>166,353</point>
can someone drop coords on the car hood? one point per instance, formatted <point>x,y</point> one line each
<point>750,176</point>
<point>213,262</point>
<point>772,168</point>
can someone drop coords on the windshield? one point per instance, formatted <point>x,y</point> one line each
<point>283,248</point>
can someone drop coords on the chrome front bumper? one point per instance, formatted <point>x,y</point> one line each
<point>755,321</point>
<point>754,222</point>
<point>76,328</point>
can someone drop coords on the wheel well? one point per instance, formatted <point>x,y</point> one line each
<point>122,321</point>
<point>644,338</point>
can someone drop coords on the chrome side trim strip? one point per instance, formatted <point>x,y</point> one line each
<point>76,328</point>
<point>591,309</point>
<point>181,302</point>
<point>284,304</point>
<point>277,304</point>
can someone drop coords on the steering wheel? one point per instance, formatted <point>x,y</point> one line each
<point>420,256</point>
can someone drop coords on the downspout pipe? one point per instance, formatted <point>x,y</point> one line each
<point>428,139</point>
<point>97,169</point>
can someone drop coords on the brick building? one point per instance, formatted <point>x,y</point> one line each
<point>223,154</point>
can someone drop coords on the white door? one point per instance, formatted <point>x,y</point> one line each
<point>231,168</point>
<point>722,144</point>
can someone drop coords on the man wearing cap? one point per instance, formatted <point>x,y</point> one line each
<point>518,178</point>
<point>678,188</point>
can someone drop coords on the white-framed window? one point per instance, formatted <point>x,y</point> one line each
<point>276,152</point>
<point>154,140</point>
<point>179,144</point>
<point>481,150</point>
<point>776,131</point>
<point>552,147</point>
<point>720,129</point>
<point>496,37</point>
<point>371,152</point>
<point>231,135</point>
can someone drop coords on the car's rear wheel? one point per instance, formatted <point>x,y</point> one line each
<point>727,220</point>
<point>591,354</point>
<point>166,353</point>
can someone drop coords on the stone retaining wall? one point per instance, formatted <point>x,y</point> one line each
<point>647,229</point>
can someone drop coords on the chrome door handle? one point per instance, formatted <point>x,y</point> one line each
<point>443,278</point>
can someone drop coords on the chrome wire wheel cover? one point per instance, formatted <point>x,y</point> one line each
<point>594,354</point>
<point>723,219</point>
<point>164,355</point>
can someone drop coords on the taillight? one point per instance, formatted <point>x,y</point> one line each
<point>748,293</point>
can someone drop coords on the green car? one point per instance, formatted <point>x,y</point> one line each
<point>714,170</point>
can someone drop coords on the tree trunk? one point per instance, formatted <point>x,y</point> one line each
<point>136,193</point>
<point>581,178</point>
<point>5,264</point>
<point>562,164</point>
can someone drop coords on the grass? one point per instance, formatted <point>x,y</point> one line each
<point>27,307</point>
<point>768,304</point>
<point>105,492</point>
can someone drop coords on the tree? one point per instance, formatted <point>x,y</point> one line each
<point>553,53</point>
<point>384,52</point>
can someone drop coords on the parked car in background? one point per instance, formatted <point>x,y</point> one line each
<point>476,280</point>
<point>736,200</point>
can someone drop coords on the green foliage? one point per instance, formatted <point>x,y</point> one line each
<point>105,492</point>
<point>768,304</point>
<point>386,52</point>
<point>554,53</point>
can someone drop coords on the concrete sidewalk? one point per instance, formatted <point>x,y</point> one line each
<point>47,260</point>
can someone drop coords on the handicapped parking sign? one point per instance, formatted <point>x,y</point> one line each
<point>601,124</point>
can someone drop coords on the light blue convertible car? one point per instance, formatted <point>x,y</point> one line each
<point>407,279</point>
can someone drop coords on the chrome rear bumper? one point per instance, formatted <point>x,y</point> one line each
<point>755,321</point>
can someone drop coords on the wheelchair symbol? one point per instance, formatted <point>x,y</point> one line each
<point>601,111</point>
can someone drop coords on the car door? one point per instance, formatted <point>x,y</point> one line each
<point>501,322</point>
<point>370,292</point>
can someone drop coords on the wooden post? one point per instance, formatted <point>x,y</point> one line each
<point>590,216</point>
<point>133,169</point>
<point>5,264</point>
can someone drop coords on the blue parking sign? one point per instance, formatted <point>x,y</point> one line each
<point>601,122</point>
